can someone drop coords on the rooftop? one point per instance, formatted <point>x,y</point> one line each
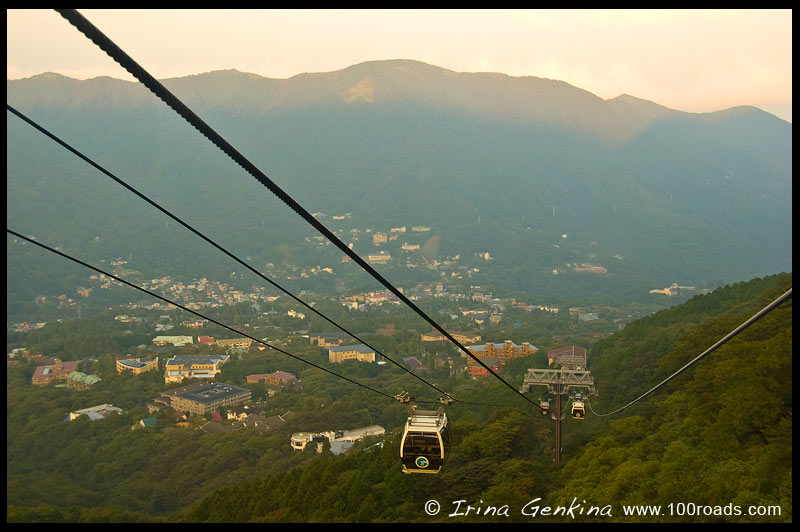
<point>334,336</point>
<point>66,369</point>
<point>361,348</point>
<point>133,363</point>
<point>78,376</point>
<point>207,393</point>
<point>283,375</point>
<point>482,347</point>
<point>197,359</point>
<point>95,412</point>
<point>357,434</point>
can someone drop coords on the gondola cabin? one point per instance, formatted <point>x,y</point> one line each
<point>544,407</point>
<point>426,442</point>
<point>578,410</point>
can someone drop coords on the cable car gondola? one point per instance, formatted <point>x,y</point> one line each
<point>544,407</point>
<point>426,440</point>
<point>578,411</point>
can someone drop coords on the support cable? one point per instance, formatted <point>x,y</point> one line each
<point>225,251</point>
<point>714,347</point>
<point>207,239</point>
<point>212,320</point>
<point>108,46</point>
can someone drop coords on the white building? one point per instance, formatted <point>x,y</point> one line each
<point>177,341</point>
<point>95,412</point>
<point>340,440</point>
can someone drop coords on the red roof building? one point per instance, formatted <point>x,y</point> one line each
<point>205,340</point>
<point>568,357</point>
<point>58,371</point>
<point>479,371</point>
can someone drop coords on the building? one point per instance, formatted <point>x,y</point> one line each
<point>479,371</point>
<point>506,350</point>
<point>294,314</point>
<point>278,378</point>
<point>240,414</point>
<point>58,371</point>
<point>193,367</point>
<point>137,365</point>
<point>359,434</point>
<point>300,440</point>
<point>590,268</point>
<point>81,381</point>
<point>379,238</point>
<point>207,398</point>
<point>379,258</point>
<point>147,422</point>
<point>483,297</point>
<point>205,340</point>
<point>157,404</point>
<point>340,440</point>
<point>352,436</point>
<point>244,420</point>
<point>673,290</point>
<point>326,339</point>
<point>358,352</point>
<point>571,357</point>
<point>377,298</point>
<point>263,424</point>
<point>95,412</point>
<point>234,343</point>
<point>461,337</point>
<point>177,341</point>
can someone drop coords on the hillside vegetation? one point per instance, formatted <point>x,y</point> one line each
<point>718,435</point>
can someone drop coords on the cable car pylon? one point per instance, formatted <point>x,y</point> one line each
<point>561,382</point>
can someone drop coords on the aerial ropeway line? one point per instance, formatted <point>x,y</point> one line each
<point>209,240</point>
<point>198,314</point>
<point>423,428</point>
<point>144,197</point>
<point>426,439</point>
<point>118,55</point>
<point>754,318</point>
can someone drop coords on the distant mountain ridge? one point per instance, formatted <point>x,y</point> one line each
<point>524,99</point>
<point>481,157</point>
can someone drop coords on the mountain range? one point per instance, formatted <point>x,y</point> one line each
<point>535,171</point>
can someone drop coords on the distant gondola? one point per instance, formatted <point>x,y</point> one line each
<point>426,439</point>
<point>544,407</point>
<point>578,410</point>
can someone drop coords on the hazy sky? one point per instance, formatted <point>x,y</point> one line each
<point>695,61</point>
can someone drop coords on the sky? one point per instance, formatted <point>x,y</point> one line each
<point>689,60</point>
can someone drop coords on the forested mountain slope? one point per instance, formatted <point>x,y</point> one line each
<point>718,436</point>
<point>720,433</point>
<point>491,162</point>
